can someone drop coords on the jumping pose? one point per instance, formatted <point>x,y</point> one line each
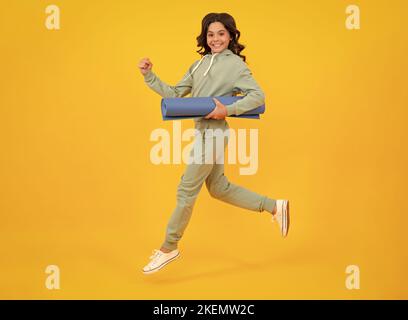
<point>221,71</point>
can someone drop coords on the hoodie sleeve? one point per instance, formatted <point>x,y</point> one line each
<point>181,89</point>
<point>254,96</point>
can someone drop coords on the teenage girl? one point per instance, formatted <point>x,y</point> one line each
<point>221,71</point>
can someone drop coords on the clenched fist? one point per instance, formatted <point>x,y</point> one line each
<point>145,65</point>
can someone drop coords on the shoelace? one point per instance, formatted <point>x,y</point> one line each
<point>156,254</point>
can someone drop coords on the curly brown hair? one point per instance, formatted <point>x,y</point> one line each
<point>229,23</point>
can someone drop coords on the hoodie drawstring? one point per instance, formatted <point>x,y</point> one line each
<point>198,64</point>
<point>212,58</point>
<point>196,67</point>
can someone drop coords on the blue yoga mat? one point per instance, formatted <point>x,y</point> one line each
<point>185,108</point>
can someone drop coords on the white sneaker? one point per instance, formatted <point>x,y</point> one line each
<point>282,216</point>
<point>159,259</point>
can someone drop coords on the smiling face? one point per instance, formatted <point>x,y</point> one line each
<point>218,38</point>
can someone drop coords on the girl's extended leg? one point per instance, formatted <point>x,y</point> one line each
<point>187,192</point>
<point>188,189</point>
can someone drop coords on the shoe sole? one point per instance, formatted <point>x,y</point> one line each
<point>285,218</point>
<point>162,265</point>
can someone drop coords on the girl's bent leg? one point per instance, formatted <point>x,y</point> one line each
<point>219,187</point>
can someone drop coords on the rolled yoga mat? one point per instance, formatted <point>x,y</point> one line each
<point>185,108</point>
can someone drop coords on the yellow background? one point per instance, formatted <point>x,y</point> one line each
<point>78,189</point>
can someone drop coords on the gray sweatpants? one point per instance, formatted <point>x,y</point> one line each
<point>217,184</point>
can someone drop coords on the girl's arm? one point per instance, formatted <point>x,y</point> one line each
<point>254,96</point>
<point>181,89</point>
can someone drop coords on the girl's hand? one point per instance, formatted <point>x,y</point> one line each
<point>145,65</point>
<point>219,113</point>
